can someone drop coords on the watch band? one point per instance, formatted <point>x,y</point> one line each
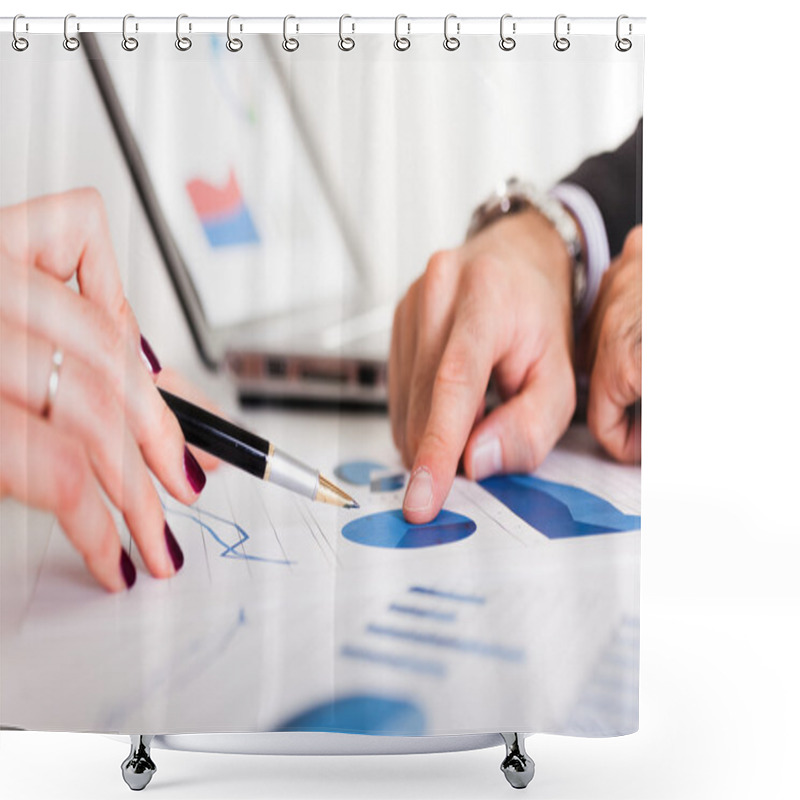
<point>515,196</point>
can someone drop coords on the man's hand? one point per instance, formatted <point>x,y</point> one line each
<point>498,306</point>
<point>614,350</point>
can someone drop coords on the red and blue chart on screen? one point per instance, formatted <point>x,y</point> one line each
<point>222,212</point>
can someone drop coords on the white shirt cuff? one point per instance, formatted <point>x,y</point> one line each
<point>583,207</point>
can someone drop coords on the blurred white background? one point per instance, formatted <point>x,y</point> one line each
<point>721,536</point>
<point>408,143</point>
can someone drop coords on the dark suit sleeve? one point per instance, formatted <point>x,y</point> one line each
<point>614,180</point>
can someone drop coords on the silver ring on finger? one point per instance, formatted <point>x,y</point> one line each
<point>52,381</point>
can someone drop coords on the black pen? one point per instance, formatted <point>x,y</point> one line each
<point>251,453</point>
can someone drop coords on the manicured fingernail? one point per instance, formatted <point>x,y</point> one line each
<point>127,568</point>
<point>194,472</point>
<point>419,494</point>
<point>487,457</point>
<point>149,356</point>
<point>175,552</point>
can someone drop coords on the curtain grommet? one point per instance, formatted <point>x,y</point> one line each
<point>401,43</point>
<point>290,43</point>
<point>19,43</point>
<point>71,43</point>
<point>346,43</point>
<point>129,43</point>
<point>233,44</point>
<point>561,43</point>
<point>451,43</point>
<point>182,43</point>
<point>507,43</point>
<point>623,44</point>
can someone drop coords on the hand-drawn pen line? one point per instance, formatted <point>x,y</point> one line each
<point>191,662</point>
<point>324,537</point>
<point>271,523</point>
<point>299,508</point>
<point>233,520</point>
<point>229,550</point>
<point>319,539</point>
<point>205,552</point>
<point>40,568</point>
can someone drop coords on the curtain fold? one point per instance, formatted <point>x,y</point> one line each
<point>266,212</point>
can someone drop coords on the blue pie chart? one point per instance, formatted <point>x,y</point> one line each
<point>357,472</point>
<point>390,529</point>
<point>370,714</point>
<point>558,510</point>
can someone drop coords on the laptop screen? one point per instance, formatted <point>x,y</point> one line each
<point>234,179</point>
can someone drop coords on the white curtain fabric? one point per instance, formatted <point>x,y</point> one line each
<point>356,167</point>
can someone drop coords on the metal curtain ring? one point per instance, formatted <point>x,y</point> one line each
<point>507,42</point>
<point>183,43</point>
<point>233,44</point>
<point>19,43</point>
<point>451,42</point>
<point>561,43</point>
<point>346,42</point>
<point>623,45</point>
<point>71,43</point>
<point>401,42</point>
<point>52,381</point>
<point>290,44</point>
<point>129,43</point>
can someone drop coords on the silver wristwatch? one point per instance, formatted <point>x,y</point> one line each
<point>514,196</point>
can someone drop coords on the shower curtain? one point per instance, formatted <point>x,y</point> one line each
<point>238,215</point>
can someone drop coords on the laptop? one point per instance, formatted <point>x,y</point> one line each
<point>266,268</point>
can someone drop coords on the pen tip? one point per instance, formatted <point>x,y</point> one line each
<point>328,492</point>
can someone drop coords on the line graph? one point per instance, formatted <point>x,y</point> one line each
<point>229,549</point>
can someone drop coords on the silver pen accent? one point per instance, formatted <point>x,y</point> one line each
<point>286,471</point>
<point>251,453</point>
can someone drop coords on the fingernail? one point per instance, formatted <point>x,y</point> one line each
<point>127,568</point>
<point>419,494</point>
<point>487,457</point>
<point>175,552</point>
<point>194,472</point>
<point>149,356</point>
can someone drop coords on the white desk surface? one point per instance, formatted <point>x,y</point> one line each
<point>154,659</point>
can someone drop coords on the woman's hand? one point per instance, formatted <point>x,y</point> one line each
<point>95,424</point>
<point>498,306</point>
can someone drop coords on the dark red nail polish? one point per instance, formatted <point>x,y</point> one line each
<point>174,548</point>
<point>149,356</point>
<point>127,568</point>
<point>194,472</point>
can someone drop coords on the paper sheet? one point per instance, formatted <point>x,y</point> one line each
<point>282,619</point>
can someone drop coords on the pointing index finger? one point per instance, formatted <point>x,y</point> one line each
<point>458,389</point>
